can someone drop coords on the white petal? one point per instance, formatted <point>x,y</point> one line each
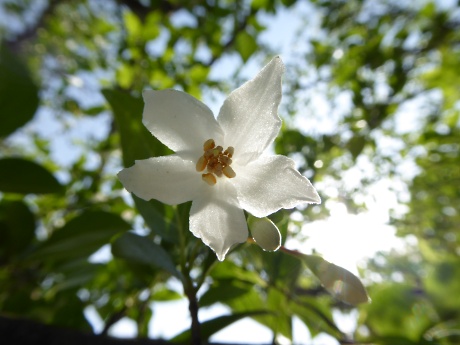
<point>169,179</point>
<point>217,218</point>
<point>249,116</point>
<point>179,120</point>
<point>272,183</point>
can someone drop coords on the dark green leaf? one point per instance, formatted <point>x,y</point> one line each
<point>77,274</point>
<point>69,312</point>
<point>154,214</point>
<point>17,227</point>
<point>18,93</point>
<point>224,291</point>
<point>356,145</point>
<point>143,250</point>
<point>315,314</point>
<point>82,236</point>
<point>93,111</point>
<point>208,328</point>
<point>22,176</point>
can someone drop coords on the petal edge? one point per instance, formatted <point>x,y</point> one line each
<point>218,220</point>
<point>169,179</point>
<point>272,183</point>
<point>179,120</point>
<point>249,116</point>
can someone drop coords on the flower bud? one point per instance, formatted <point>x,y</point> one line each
<point>265,233</point>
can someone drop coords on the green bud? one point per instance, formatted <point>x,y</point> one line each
<point>265,233</point>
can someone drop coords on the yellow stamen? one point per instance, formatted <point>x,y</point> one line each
<point>209,178</point>
<point>218,169</point>
<point>201,164</point>
<point>209,144</point>
<point>216,161</point>
<point>229,172</point>
<point>225,160</point>
<point>229,151</point>
<point>215,152</point>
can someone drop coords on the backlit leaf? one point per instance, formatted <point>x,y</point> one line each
<point>339,282</point>
<point>246,45</point>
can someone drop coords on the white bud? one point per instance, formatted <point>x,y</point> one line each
<point>265,233</point>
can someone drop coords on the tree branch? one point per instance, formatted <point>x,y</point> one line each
<point>193,308</point>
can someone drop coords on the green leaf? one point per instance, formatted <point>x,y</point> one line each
<point>136,141</point>
<point>93,111</point>
<point>17,228</point>
<point>208,328</point>
<point>18,175</point>
<point>410,316</point>
<point>283,269</point>
<point>82,236</point>
<point>143,250</point>
<point>125,76</point>
<point>18,93</point>
<point>356,145</point>
<point>399,340</point>
<point>133,24</point>
<point>229,270</point>
<point>246,45</point>
<point>198,73</point>
<point>77,274</point>
<point>154,214</point>
<point>223,291</point>
<point>165,294</point>
<point>277,301</point>
<point>339,282</point>
<point>316,314</point>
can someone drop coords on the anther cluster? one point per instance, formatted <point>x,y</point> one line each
<point>216,161</point>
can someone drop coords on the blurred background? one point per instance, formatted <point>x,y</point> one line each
<point>370,115</point>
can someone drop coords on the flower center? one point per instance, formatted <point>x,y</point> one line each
<point>216,161</point>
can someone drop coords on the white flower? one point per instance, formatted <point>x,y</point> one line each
<point>218,164</point>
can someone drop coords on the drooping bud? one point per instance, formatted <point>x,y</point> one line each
<point>265,233</point>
